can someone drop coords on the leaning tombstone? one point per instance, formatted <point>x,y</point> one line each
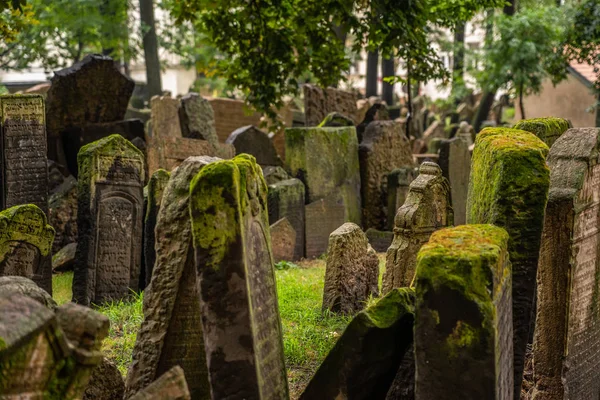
<point>384,147</point>
<point>171,302</point>
<point>463,315</point>
<point>547,129</point>
<point>398,183</point>
<point>286,200</point>
<point>509,188</point>
<point>197,118</point>
<point>236,279</point>
<point>352,271</point>
<point>25,243</point>
<point>363,363</point>
<point>426,209</point>
<point>565,363</point>
<point>109,221</point>
<point>251,140</point>
<point>455,162</point>
<point>171,385</point>
<point>156,186</point>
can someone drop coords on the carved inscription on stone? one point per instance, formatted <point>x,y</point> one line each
<point>21,260</point>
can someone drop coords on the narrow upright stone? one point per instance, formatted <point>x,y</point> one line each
<point>156,186</point>
<point>251,140</point>
<point>165,117</point>
<point>363,363</point>
<point>567,329</point>
<point>547,129</point>
<point>352,272</point>
<point>171,302</point>
<point>426,209</point>
<point>509,188</point>
<point>455,162</point>
<point>197,118</point>
<point>25,242</point>
<point>463,316</point>
<point>384,147</point>
<point>283,240</point>
<point>109,221</point>
<point>398,183</point>
<point>236,280</point>
<point>286,200</point>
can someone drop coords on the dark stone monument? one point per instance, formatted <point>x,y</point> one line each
<point>286,200</point>
<point>171,385</point>
<point>197,118</point>
<point>109,220</point>
<point>251,140</point>
<point>106,383</point>
<point>236,280</point>
<point>156,187</point>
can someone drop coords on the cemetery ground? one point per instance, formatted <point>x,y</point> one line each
<point>308,332</point>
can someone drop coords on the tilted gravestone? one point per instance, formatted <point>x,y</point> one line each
<point>170,386</point>
<point>398,183</point>
<point>318,103</point>
<point>286,200</point>
<point>384,147</point>
<point>251,140</point>
<point>455,162</point>
<point>352,271</point>
<point>363,363</point>
<point>197,119</point>
<point>25,242</point>
<point>156,187</point>
<point>547,129</point>
<point>283,240</point>
<point>171,302</point>
<point>508,187</point>
<point>109,221</point>
<point>567,328</point>
<point>426,209</point>
<point>463,315</point>
<point>236,280</point>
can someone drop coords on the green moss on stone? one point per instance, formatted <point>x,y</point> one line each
<point>25,223</point>
<point>156,185</point>
<point>389,309</point>
<point>547,129</point>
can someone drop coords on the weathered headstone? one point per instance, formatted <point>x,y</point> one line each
<point>171,385</point>
<point>463,315</point>
<point>377,112</point>
<point>156,187</point>
<point>26,287</point>
<point>466,133</point>
<point>323,217</point>
<point>398,183</point>
<point>165,117</point>
<point>197,118</point>
<point>25,244</point>
<point>286,200</point>
<point>384,147</point>
<point>274,174</point>
<point>455,162</point>
<point>283,240</point>
<point>64,259</point>
<point>426,209</point>
<point>320,102</point>
<point>253,141</point>
<point>364,361</point>
<point>105,383</point>
<point>62,214</point>
<point>171,302</point>
<point>236,280</point>
<point>567,328</point>
<point>109,220</point>
<point>509,188</point>
<point>352,272</point>
<point>547,129</point>
<point>379,240</point>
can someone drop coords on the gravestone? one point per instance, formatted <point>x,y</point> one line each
<point>283,240</point>
<point>171,302</point>
<point>377,112</point>
<point>170,386</point>
<point>62,213</point>
<point>323,217</point>
<point>64,259</point>
<point>109,221</point>
<point>318,103</point>
<point>426,209</point>
<point>26,287</point>
<point>165,117</point>
<point>105,383</point>
<point>274,174</point>
<point>156,187</point>
<point>384,147</point>
<point>286,200</point>
<point>546,129</point>
<point>567,328</point>
<point>352,271</point>
<point>463,315</point>
<point>509,188</point>
<point>379,240</point>
<point>236,280</point>
<point>466,133</point>
<point>251,140</point>
<point>455,162</point>
<point>364,361</point>
<point>398,183</point>
<point>197,119</point>
<point>25,244</point>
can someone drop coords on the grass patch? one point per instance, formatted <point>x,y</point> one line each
<point>61,287</point>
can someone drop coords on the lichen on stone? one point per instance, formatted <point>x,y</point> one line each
<point>25,223</point>
<point>547,129</point>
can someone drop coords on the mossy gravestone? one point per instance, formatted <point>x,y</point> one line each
<point>171,302</point>
<point>455,162</point>
<point>509,188</point>
<point>251,140</point>
<point>364,361</point>
<point>426,209</point>
<point>547,129</point>
<point>567,330</point>
<point>463,315</point>
<point>286,200</point>
<point>109,221</point>
<point>25,242</point>
<point>352,272</point>
<point>236,279</point>
<point>156,187</point>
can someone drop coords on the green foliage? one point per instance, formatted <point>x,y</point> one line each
<point>14,16</point>
<point>284,265</point>
<point>583,37</point>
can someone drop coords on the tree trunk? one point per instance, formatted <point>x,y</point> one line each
<point>387,90</point>
<point>150,41</point>
<point>409,100</point>
<point>458,66</point>
<point>372,73</point>
<point>521,105</point>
